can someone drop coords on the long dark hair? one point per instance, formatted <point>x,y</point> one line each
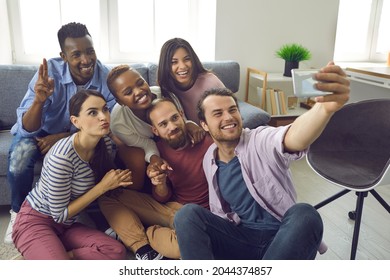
<point>101,162</point>
<point>164,76</point>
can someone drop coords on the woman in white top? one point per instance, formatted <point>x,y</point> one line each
<point>135,143</point>
<point>76,171</point>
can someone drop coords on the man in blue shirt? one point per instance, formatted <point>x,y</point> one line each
<point>43,116</point>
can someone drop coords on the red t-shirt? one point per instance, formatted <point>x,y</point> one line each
<point>189,184</point>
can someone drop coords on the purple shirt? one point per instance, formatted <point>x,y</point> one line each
<point>189,98</point>
<point>265,169</point>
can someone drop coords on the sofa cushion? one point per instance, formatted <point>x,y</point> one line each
<point>227,71</point>
<point>14,80</point>
<point>152,74</point>
<point>142,69</point>
<point>5,141</point>
<point>252,116</point>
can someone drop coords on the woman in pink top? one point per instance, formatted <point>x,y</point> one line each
<point>181,76</point>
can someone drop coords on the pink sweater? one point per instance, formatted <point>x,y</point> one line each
<point>189,98</point>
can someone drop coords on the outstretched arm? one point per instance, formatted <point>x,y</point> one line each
<point>306,128</point>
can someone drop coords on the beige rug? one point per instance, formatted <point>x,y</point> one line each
<point>9,252</point>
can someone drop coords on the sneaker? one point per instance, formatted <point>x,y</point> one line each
<point>8,233</point>
<point>111,233</point>
<point>147,253</point>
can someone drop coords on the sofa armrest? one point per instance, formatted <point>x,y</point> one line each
<point>253,116</point>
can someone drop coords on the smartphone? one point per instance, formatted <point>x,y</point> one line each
<point>303,83</point>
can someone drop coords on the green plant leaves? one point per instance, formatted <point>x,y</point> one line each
<point>293,52</point>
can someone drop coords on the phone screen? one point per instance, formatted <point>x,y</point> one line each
<point>303,83</point>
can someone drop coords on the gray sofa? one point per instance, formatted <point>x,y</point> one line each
<point>14,80</point>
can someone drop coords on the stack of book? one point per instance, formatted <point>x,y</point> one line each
<point>273,101</point>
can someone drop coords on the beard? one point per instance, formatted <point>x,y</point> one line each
<point>178,142</point>
<point>225,139</point>
<point>221,137</point>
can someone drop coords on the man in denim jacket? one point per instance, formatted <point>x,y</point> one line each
<point>42,117</point>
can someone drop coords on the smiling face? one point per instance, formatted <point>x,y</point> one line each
<point>181,69</point>
<point>94,117</point>
<point>81,58</point>
<point>130,89</point>
<point>223,119</point>
<point>169,125</point>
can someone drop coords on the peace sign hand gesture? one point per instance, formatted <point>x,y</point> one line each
<point>44,87</point>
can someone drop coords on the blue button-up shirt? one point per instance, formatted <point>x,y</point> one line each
<point>55,114</point>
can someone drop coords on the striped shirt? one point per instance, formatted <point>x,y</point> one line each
<point>64,177</point>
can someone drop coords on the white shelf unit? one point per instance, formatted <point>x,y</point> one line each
<point>274,81</point>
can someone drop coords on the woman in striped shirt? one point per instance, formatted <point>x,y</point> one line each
<point>76,171</point>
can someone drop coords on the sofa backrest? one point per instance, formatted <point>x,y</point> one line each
<point>142,68</point>
<point>14,80</point>
<point>227,71</point>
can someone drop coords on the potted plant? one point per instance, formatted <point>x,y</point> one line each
<point>292,55</point>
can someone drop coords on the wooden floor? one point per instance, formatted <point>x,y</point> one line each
<point>374,240</point>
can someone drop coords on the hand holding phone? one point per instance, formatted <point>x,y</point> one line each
<point>303,83</point>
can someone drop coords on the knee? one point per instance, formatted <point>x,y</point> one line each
<point>184,214</point>
<point>306,216</point>
<point>21,154</point>
<point>164,241</point>
<point>118,252</point>
<point>107,199</point>
<point>111,248</point>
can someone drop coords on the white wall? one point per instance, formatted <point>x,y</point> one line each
<point>250,31</point>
